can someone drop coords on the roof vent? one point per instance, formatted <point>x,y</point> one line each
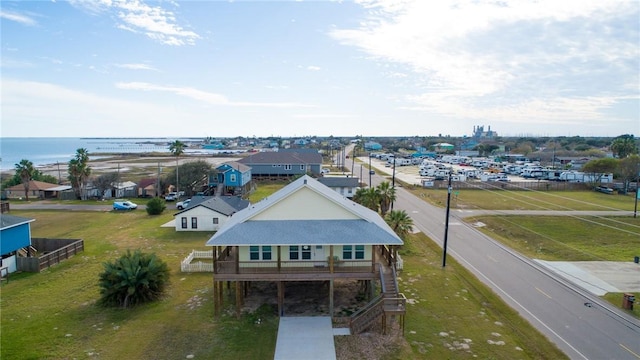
<point>305,181</point>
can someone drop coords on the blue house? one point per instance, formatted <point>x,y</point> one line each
<point>15,234</point>
<point>233,176</point>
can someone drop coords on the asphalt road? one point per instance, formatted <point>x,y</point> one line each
<point>579,323</point>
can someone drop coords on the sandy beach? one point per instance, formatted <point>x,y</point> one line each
<point>124,164</point>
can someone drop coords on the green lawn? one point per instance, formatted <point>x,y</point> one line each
<point>53,314</point>
<point>526,200</point>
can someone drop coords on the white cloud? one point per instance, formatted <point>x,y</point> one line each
<point>20,18</point>
<point>313,68</point>
<point>203,96</point>
<point>136,67</point>
<point>44,108</point>
<point>546,60</point>
<point>137,17</point>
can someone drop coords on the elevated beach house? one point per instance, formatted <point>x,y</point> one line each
<point>307,232</point>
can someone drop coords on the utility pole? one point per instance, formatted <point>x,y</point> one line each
<point>393,178</point>
<point>158,181</point>
<point>369,169</point>
<point>635,207</point>
<point>446,223</point>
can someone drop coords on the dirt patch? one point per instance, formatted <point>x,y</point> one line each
<point>311,298</point>
<point>308,298</point>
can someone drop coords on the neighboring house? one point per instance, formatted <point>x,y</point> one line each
<point>345,186</point>
<point>208,213</point>
<point>125,189</point>
<point>147,188</point>
<point>37,189</point>
<point>15,234</point>
<point>233,176</point>
<point>306,232</point>
<point>283,163</point>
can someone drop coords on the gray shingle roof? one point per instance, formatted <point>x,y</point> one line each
<point>370,227</point>
<point>226,205</point>
<point>339,181</point>
<point>287,157</point>
<point>236,165</point>
<point>307,232</point>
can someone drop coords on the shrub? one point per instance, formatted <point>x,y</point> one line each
<point>156,206</point>
<point>133,279</point>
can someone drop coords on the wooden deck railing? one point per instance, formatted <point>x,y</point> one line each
<point>300,266</point>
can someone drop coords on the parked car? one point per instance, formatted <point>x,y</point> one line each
<point>604,189</point>
<point>124,205</point>
<point>172,196</point>
<point>372,172</point>
<point>183,204</point>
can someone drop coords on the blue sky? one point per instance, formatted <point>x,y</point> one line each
<point>95,68</point>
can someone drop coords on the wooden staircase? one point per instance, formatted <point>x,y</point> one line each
<point>27,251</point>
<point>384,308</point>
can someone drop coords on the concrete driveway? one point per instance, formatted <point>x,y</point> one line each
<point>305,337</point>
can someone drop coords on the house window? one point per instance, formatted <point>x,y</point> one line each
<point>293,252</point>
<point>306,252</point>
<point>266,253</point>
<point>232,177</point>
<point>287,167</point>
<point>254,252</point>
<point>347,252</point>
<point>301,167</point>
<point>194,222</point>
<point>215,221</point>
<point>184,222</point>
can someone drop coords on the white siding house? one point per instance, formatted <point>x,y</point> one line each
<point>208,213</point>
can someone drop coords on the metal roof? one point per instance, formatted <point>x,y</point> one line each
<point>8,221</point>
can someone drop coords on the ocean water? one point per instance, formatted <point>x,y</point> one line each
<point>44,151</point>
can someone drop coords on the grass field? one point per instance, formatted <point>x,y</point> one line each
<point>526,200</point>
<point>53,314</point>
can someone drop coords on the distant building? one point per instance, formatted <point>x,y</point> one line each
<point>372,146</point>
<point>479,133</point>
<point>443,147</point>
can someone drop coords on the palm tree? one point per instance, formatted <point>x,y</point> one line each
<point>387,196</point>
<point>133,279</point>
<point>177,148</point>
<point>400,222</point>
<point>368,197</point>
<point>26,171</point>
<point>79,171</point>
<point>624,145</point>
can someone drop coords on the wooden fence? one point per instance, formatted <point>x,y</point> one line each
<point>510,185</point>
<point>189,265</point>
<point>50,252</point>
